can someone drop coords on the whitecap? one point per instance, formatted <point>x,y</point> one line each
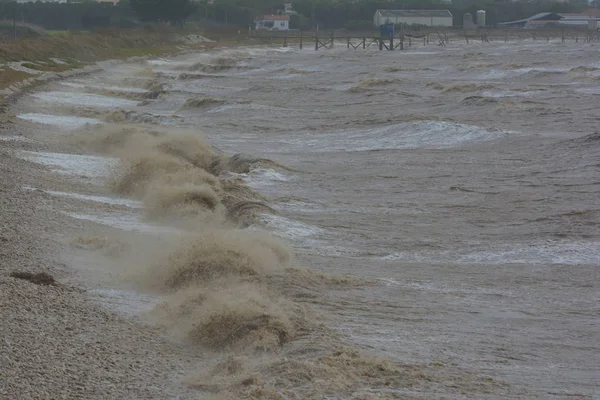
<point>73,164</point>
<point>97,199</point>
<point>84,99</point>
<point>59,120</point>
<point>288,228</point>
<point>126,222</point>
<point>422,134</point>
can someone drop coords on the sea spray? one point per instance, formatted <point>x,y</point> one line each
<point>229,289</point>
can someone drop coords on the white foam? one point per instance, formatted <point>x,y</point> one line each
<point>424,134</point>
<point>552,252</point>
<point>298,206</point>
<point>73,164</point>
<point>566,253</point>
<point>288,228</point>
<point>97,199</point>
<point>84,99</point>
<point>389,281</point>
<point>500,74</point>
<point>420,53</point>
<point>123,89</point>
<point>262,177</point>
<point>244,106</point>
<point>59,120</point>
<point>14,138</point>
<point>323,248</point>
<point>501,94</point>
<point>126,222</point>
<point>160,61</point>
<point>589,90</point>
<point>127,303</point>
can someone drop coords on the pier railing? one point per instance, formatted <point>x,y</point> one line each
<point>325,39</point>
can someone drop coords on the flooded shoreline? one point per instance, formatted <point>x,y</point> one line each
<point>460,183</point>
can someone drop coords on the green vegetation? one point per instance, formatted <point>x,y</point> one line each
<point>172,11</point>
<point>76,50</point>
<point>78,15</point>
<point>10,76</point>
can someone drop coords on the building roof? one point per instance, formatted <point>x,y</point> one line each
<point>276,18</point>
<point>547,16</point>
<point>541,23</point>
<point>415,13</point>
<point>572,17</point>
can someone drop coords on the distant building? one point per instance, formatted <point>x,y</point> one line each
<point>273,23</point>
<point>573,19</point>
<point>535,21</point>
<point>468,21</point>
<point>413,17</point>
<point>549,20</point>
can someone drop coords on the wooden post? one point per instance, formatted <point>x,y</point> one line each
<point>466,38</point>
<point>402,41</point>
<point>285,44</point>
<point>424,41</point>
<point>300,40</point>
<point>392,42</point>
<point>348,42</point>
<point>409,42</point>
<point>316,42</point>
<point>380,44</point>
<point>331,38</point>
<point>364,43</point>
<point>563,36</point>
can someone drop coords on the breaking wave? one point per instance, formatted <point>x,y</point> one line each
<point>219,64</point>
<point>466,87</point>
<point>409,135</point>
<point>228,285</point>
<point>373,82</point>
<point>177,174</point>
<point>202,102</point>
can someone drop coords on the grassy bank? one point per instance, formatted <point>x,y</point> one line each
<point>21,59</point>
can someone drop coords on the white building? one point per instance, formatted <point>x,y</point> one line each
<point>288,9</point>
<point>273,23</point>
<point>413,17</point>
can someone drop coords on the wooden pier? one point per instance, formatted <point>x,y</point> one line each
<point>327,42</point>
<point>439,37</point>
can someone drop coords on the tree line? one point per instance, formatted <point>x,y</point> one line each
<point>340,14</point>
<point>326,14</point>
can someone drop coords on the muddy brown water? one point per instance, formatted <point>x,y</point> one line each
<point>464,180</point>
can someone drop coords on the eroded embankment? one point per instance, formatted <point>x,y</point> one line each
<point>26,62</point>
